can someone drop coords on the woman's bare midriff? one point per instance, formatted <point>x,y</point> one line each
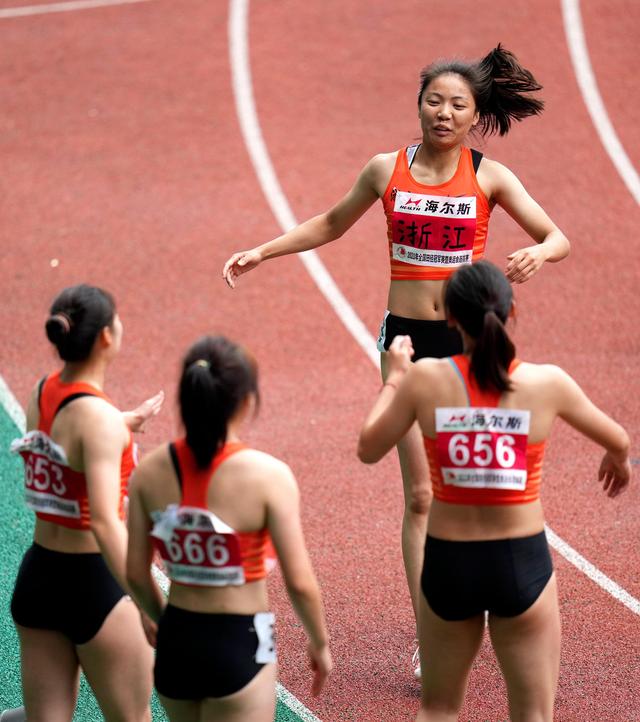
<point>249,598</point>
<point>60,538</point>
<point>421,300</point>
<point>466,522</point>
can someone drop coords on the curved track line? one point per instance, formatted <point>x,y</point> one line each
<point>592,99</point>
<point>585,566</point>
<point>254,141</point>
<point>259,155</point>
<point>26,10</point>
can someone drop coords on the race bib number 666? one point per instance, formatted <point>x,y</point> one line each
<point>483,448</point>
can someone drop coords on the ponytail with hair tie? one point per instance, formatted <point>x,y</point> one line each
<point>208,401</point>
<point>479,297</point>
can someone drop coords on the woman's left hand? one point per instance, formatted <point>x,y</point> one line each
<point>136,418</point>
<point>524,263</point>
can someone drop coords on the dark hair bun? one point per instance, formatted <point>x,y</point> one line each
<point>57,327</point>
<point>78,314</point>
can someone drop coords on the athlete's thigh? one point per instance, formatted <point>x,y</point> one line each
<point>447,651</point>
<point>256,702</point>
<point>118,664</point>
<point>528,650</point>
<point>179,710</point>
<point>50,674</point>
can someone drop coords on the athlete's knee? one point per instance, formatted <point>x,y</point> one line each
<point>439,709</point>
<point>536,716</point>
<point>539,710</point>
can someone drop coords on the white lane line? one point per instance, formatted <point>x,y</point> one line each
<point>26,10</point>
<point>273,192</point>
<point>585,566</point>
<point>587,82</point>
<point>245,108</point>
<point>250,127</point>
<point>12,406</point>
<point>294,704</point>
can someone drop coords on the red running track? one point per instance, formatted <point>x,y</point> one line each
<point>123,160</point>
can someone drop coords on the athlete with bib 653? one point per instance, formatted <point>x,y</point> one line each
<point>70,602</point>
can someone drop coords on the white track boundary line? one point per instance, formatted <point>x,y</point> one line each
<point>592,99</point>
<point>272,190</point>
<point>245,106</point>
<point>585,566</point>
<point>12,406</point>
<point>27,10</point>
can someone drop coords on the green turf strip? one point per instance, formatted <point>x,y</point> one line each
<point>16,528</point>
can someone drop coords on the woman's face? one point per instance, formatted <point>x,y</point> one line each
<point>447,111</point>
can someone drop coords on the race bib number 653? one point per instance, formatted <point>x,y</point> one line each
<point>483,448</point>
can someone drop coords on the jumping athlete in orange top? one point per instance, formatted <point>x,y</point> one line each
<point>211,506</point>
<point>485,417</point>
<point>437,197</point>
<point>70,602</point>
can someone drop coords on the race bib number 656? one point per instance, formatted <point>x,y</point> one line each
<point>483,448</point>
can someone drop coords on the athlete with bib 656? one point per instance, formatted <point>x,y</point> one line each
<point>485,417</point>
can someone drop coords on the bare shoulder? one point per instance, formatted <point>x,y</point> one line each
<point>254,465</point>
<point>383,159</point>
<point>92,415</point>
<point>379,169</point>
<point>495,178</point>
<point>544,372</point>
<point>544,379</point>
<point>493,168</point>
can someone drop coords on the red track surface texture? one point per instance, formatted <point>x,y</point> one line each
<point>122,158</point>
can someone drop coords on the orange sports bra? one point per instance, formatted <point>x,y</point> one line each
<point>481,453</point>
<point>432,230</point>
<point>53,490</point>
<point>196,546</point>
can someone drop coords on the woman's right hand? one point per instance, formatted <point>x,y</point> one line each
<point>614,474</point>
<point>240,263</point>
<point>321,664</point>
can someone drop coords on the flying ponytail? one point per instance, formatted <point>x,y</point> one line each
<point>500,86</point>
<point>504,92</point>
